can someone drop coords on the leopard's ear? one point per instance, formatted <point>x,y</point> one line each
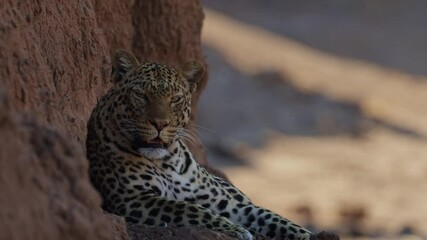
<point>193,72</point>
<point>122,63</point>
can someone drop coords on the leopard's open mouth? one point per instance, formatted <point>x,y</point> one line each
<point>155,143</point>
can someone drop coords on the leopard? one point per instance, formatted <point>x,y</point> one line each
<point>144,169</point>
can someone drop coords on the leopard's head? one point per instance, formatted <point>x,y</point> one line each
<point>153,102</point>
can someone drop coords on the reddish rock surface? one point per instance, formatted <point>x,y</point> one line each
<point>54,64</point>
<point>54,61</point>
<point>45,192</point>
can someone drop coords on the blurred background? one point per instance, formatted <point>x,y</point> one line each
<point>317,110</point>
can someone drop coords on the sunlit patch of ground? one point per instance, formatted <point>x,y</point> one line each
<point>381,178</point>
<point>366,174</point>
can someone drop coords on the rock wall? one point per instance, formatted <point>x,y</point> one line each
<point>54,64</point>
<point>54,61</point>
<point>45,193</point>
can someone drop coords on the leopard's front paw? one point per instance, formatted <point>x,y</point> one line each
<point>304,236</point>
<point>239,232</point>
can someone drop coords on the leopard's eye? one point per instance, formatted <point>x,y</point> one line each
<point>141,96</point>
<point>176,98</point>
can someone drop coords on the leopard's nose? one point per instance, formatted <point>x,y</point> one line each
<point>159,124</point>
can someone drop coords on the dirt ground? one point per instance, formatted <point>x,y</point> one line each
<point>334,138</point>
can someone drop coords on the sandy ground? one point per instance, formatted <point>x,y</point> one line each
<point>329,141</point>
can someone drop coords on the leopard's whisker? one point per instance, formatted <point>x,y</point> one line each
<point>193,135</point>
<point>203,128</point>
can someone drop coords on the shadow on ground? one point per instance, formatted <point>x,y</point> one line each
<point>239,111</point>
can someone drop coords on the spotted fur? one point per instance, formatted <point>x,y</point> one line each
<point>145,172</point>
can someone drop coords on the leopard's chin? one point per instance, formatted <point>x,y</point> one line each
<point>153,149</point>
<point>153,153</point>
